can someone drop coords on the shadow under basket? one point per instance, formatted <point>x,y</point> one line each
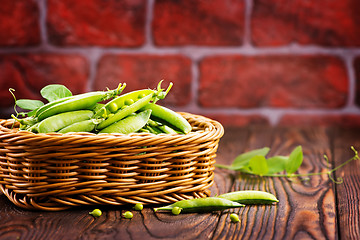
<point>56,171</point>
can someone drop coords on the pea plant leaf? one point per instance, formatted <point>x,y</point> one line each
<point>276,164</point>
<point>258,165</point>
<point>28,104</point>
<point>242,160</point>
<point>295,160</point>
<point>53,92</point>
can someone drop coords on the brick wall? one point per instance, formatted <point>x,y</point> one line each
<point>242,62</point>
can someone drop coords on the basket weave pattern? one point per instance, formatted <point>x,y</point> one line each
<point>57,171</point>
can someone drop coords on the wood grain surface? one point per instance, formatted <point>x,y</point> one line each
<point>308,208</point>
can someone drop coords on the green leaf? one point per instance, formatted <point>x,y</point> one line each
<point>242,160</point>
<point>29,104</point>
<point>276,164</point>
<point>258,165</point>
<point>294,161</point>
<point>53,92</point>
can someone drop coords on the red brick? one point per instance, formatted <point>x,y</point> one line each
<point>27,74</point>
<point>341,120</point>
<point>357,76</point>
<point>19,23</point>
<point>238,120</point>
<point>198,22</point>
<point>96,22</point>
<point>145,71</point>
<point>273,81</point>
<point>327,23</point>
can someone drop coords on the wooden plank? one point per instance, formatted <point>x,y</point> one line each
<point>306,209</point>
<point>348,192</point>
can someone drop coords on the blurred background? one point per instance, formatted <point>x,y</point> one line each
<point>241,62</point>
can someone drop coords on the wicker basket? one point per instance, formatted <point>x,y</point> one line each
<point>57,171</point>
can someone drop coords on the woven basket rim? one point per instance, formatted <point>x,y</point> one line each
<point>213,126</point>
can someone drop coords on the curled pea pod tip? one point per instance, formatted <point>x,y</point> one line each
<point>160,93</point>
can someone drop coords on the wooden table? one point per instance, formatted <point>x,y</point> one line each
<point>313,209</point>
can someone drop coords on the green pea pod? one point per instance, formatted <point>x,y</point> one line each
<point>45,107</point>
<point>208,204</point>
<point>79,96</point>
<point>78,102</point>
<point>59,121</point>
<point>130,124</point>
<point>122,113</point>
<point>168,117</point>
<point>82,126</point>
<point>250,197</point>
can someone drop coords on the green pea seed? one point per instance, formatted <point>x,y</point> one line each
<point>128,214</point>
<point>138,207</point>
<point>128,101</point>
<point>176,210</point>
<point>113,107</point>
<point>96,213</point>
<point>234,218</point>
<point>141,95</point>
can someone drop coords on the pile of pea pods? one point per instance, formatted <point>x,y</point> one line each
<point>107,112</point>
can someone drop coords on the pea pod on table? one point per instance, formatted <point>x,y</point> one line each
<point>208,204</point>
<point>250,197</point>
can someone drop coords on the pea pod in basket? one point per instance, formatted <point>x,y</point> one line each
<point>85,101</point>
<point>82,126</point>
<point>130,124</point>
<point>127,104</point>
<point>168,117</point>
<point>78,102</point>
<point>62,120</point>
<point>135,111</point>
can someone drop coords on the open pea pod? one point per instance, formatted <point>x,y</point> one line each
<point>127,104</point>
